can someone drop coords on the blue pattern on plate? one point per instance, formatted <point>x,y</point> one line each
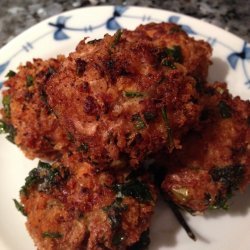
<point>242,56</point>
<point>27,47</point>
<point>187,28</point>
<point>112,24</point>
<point>60,25</point>
<point>3,66</point>
<point>61,32</point>
<point>173,19</point>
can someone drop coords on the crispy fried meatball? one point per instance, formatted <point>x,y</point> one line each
<point>131,94</point>
<point>215,159</point>
<point>74,207</point>
<point>196,54</point>
<point>26,117</point>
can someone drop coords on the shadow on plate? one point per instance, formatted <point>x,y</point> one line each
<point>165,227</point>
<point>218,70</point>
<point>239,205</point>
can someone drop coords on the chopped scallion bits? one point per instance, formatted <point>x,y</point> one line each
<point>117,38</point>
<point>52,235</point>
<point>19,207</point>
<point>6,105</point>
<point>168,63</point>
<point>138,121</point>
<point>10,74</point>
<point>132,94</point>
<point>169,130</point>
<point>29,80</point>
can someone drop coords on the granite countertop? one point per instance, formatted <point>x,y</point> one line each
<point>231,15</point>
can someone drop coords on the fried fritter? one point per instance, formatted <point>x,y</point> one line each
<point>131,94</point>
<point>215,159</point>
<point>74,207</point>
<point>26,117</point>
<point>196,54</point>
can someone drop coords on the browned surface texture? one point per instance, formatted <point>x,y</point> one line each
<point>214,161</point>
<point>91,94</point>
<point>37,131</point>
<point>82,209</point>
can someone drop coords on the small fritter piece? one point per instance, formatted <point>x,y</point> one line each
<point>129,95</point>
<point>74,207</point>
<point>26,117</point>
<point>215,160</point>
<point>196,54</point>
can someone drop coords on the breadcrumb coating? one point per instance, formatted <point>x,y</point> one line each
<point>32,125</point>
<point>131,94</point>
<point>74,207</point>
<point>215,159</point>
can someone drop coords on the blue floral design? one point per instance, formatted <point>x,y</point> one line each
<point>234,57</point>
<point>186,28</point>
<point>112,23</point>
<point>60,25</point>
<point>242,56</point>
<point>3,66</point>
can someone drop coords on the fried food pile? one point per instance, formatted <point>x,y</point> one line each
<point>113,115</point>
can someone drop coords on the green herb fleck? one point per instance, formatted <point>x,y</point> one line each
<point>84,147</point>
<point>29,81</point>
<point>135,189</point>
<point>138,121</point>
<point>3,127</point>
<point>225,110</point>
<point>52,235</point>
<point>117,38</point>
<point>114,212</point>
<point>20,207</point>
<point>132,94</point>
<point>170,142</point>
<point>168,63</point>
<point>6,105</point>
<point>11,133</point>
<point>10,74</point>
<point>175,29</point>
<point>50,72</point>
<point>175,53</point>
<point>8,129</point>
<point>221,202</point>
<point>44,176</point>
<point>94,41</point>
<point>230,176</point>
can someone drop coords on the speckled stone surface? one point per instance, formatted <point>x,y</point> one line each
<point>231,15</point>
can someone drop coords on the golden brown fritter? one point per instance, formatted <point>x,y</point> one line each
<point>74,207</point>
<point>215,160</point>
<point>131,94</point>
<point>196,54</point>
<point>28,120</point>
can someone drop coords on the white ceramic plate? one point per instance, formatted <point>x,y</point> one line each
<point>60,34</point>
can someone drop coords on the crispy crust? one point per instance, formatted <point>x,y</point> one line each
<point>83,210</point>
<point>37,130</point>
<point>91,93</point>
<point>215,158</point>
